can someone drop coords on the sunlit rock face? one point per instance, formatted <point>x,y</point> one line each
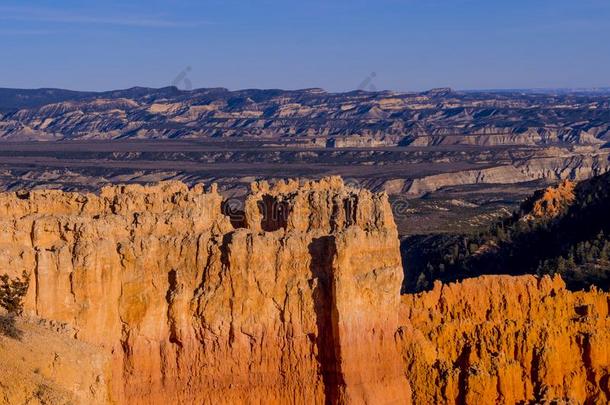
<point>507,340</point>
<point>296,303</point>
<point>294,299</point>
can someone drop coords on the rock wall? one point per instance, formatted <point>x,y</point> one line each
<point>294,300</point>
<point>297,302</point>
<point>507,340</point>
<point>568,166</point>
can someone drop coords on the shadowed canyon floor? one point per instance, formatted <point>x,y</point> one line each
<point>297,302</point>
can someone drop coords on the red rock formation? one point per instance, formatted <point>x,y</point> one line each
<point>300,306</point>
<point>298,303</point>
<point>507,340</point>
<point>552,201</point>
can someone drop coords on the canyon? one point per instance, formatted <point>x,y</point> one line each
<point>412,144</point>
<point>295,299</point>
<point>489,149</point>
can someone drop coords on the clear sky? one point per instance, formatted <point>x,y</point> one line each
<point>333,44</point>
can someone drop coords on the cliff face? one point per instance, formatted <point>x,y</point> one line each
<point>508,340</point>
<point>571,166</point>
<point>296,302</point>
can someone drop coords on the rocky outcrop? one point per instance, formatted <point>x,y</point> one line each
<point>296,302</point>
<point>573,167</point>
<point>551,202</point>
<point>507,340</point>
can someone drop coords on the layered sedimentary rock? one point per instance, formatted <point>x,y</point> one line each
<point>359,118</point>
<point>296,302</point>
<point>569,166</point>
<point>507,340</point>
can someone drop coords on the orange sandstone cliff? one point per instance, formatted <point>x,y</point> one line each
<point>507,340</point>
<point>295,300</point>
<point>297,303</point>
<point>551,202</point>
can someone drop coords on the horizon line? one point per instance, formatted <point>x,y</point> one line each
<point>465,90</point>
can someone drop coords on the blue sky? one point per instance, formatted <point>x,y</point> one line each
<point>333,44</point>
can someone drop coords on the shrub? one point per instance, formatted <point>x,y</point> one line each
<point>12,293</point>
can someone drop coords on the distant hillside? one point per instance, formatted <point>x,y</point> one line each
<point>12,100</point>
<point>563,230</point>
<point>354,119</point>
<point>16,99</point>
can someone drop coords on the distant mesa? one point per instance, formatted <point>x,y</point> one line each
<point>436,117</point>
